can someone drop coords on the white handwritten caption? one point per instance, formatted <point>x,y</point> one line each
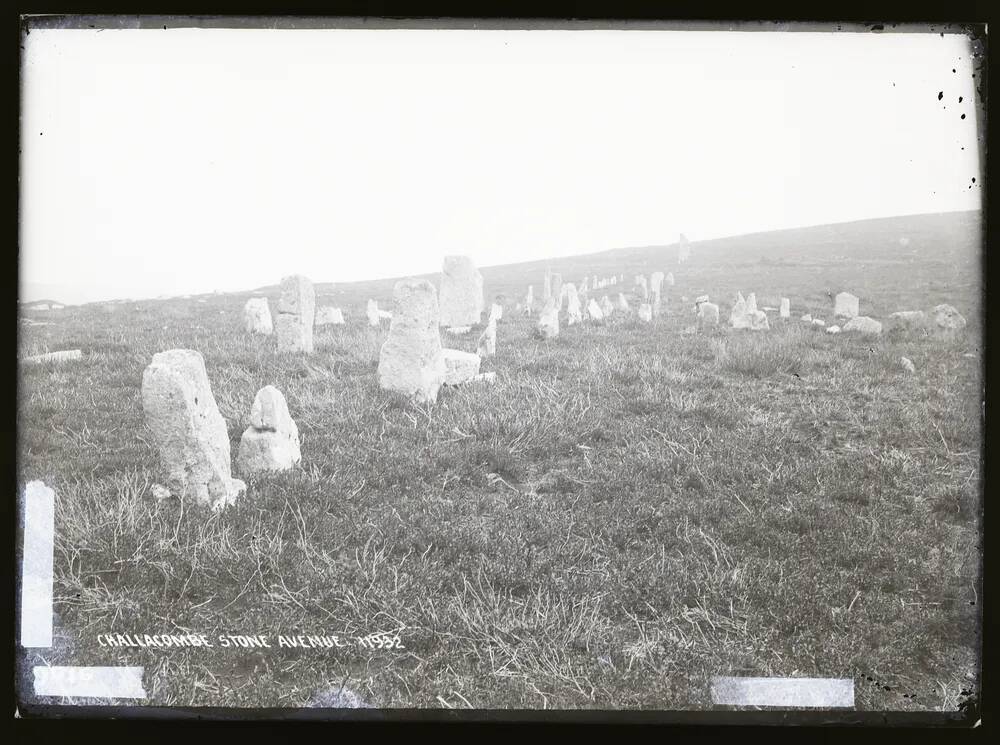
<point>377,640</point>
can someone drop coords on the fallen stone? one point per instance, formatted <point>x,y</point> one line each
<point>189,432</point>
<point>67,355</point>
<point>818,322</point>
<point>488,377</point>
<point>460,366</point>
<point>907,319</point>
<point>459,330</point>
<point>833,329</point>
<point>411,361</point>
<point>864,325</point>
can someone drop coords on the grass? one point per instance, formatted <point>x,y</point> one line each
<point>627,512</point>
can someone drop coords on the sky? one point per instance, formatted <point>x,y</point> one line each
<point>183,161</point>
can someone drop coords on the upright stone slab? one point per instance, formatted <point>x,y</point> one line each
<point>546,286</point>
<point>607,308</point>
<point>739,317</point>
<point>372,314</point>
<point>655,283</point>
<point>548,321</point>
<point>529,300</point>
<point>296,313</point>
<point>411,360</point>
<point>643,288</point>
<point>487,344</point>
<point>758,321</point>
<point>496,313</point>
<point>785,311</point>
<point>845,305</point>
<point>327,316</point>
<point>621,303</point>
<point>461,292</point>
<point>557,293</point>
<point>752,303</point>
<point>271,442</point>
<point>574,312</point>
<point>594,311</point>
<point>708,314</point>
<point>190,433</point>
<point>257,316</point>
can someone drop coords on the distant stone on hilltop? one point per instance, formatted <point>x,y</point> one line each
<point>411,361</point>
<point>257,316</point>
<point>296,315</point>
<point>189,432</point>
<point>461,292</point>
<point>271,442</point>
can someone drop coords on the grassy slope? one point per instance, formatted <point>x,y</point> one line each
<point>629,511</point>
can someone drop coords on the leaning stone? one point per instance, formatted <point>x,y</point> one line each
<point>460,366</point>
<point>65,356</point>
<point>461,292</point>
<point>411,361</point>
<point>271,442</point>
<point>846,305</point>
<point>947,317</point>
<point>257,316</point>
<point>189,432</point>
<point>864,325</point>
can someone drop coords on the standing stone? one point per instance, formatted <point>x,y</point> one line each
<point>683,249</point>
<point>645,312</point>
<point>548,321</point>
<point>864,325</point>
<point>372,313</point>
<point>496,313</point>
<point>845,305</point>
<point>529,300</point>
<point>758,321</point>
<point>947,317</point>
<point>257,316</point>
<point>606,307</point>
<point>669,279</point>
<point>296,314</point>
<point>190,433</point>
<point>546,286</point>
<point>327,316</point>
<point>739,317</point>
<point>584,285</point>
<point>488,340</point>
<point>594,311</point>
<point>655,283</point>
<point>786,308</point>
<point>271,442</point>
<point>752,303</point>
<point>573,309</point>
<point>460,367</point>
<point>621,303</point>
<point>461,292</point>
<point>557,290</point>
<point>411,360</point>
<point>643,286</point>
<point>708,314</point>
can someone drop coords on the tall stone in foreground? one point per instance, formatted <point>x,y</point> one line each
<point>271,442</point>
<point>327,316</point>
<point>548,321</point>
<point>296,314</point>
<point>846,305</point>
<point>189,432</point>
<point>411,360</point>
<point>739,317</point>
<point>461,292</point>
<point>786,308</point>
<point>257,316</point>
<point>487,344</point>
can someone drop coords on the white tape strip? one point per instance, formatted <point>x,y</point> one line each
<point>89,682</point>
<point>823,693</point>
<point>36,565</point>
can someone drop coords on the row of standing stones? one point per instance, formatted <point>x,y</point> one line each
<point>191,434</point>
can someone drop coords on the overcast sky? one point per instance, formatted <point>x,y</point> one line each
<point>184,161</point>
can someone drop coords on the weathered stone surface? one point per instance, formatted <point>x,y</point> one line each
<point>460,367</point>
<point>947,317</point>
<point>758,321</point>
<point>683,250</point>
<point>594,311</point>
<point>257,316</point>
<point>189,432</point>
<point>699,300</point>
<point>296,314</point>
<point>864,325</point>
<point>271,442</point>
<point>621,304</point>
<point>548,321</point>
<point>645,312</point>
<point>708,314</point>
<point>786,308</point>
<point>67,355</point>
<point>907,364</point>
<point>327,316</point>
<point>574,313</point>
<point>487,344</point>
<point>372,314</point>
<point>411,360</point>
<point>461,292</point>
<point>846,305</point>
<point>739,317</point>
